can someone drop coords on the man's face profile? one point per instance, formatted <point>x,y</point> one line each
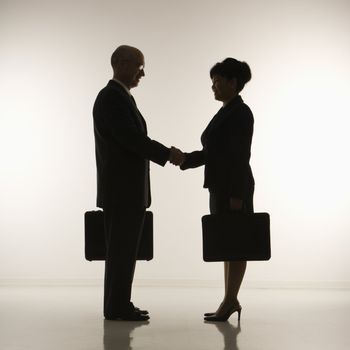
<point>134,70</point>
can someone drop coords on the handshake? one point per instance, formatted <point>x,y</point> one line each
<point>176,157</point>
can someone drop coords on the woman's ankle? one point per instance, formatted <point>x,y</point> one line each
<point>228,304</point>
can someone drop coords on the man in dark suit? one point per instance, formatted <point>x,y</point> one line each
<point>123,152</point>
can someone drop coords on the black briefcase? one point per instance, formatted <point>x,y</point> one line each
<point>236,237</point>
<point>95,246</point>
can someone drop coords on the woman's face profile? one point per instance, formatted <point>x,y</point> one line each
<point>223,88</point>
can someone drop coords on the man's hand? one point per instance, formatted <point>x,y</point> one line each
<point>176,156</point>
<point>236,203</point>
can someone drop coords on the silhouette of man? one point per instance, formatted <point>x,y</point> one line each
<point>123,152</point>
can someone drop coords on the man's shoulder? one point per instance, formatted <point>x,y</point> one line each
<point>114,92</point>
<point>114,88</point>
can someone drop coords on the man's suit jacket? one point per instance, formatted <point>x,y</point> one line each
<point>123,150</point>
<point>226,151</point>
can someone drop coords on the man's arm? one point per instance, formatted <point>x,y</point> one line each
<point>119,122</point>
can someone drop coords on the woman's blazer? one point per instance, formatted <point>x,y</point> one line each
<point>226,151</point>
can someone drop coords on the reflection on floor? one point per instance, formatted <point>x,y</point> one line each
<point>67,318</point>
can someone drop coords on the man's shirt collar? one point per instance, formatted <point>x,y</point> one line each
<point>123,85</point>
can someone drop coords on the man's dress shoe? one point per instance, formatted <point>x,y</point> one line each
<point>142,312</point>
<point>128,316</point>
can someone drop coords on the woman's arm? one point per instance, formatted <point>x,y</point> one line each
<point>193,160</point>
<point>240,144</point>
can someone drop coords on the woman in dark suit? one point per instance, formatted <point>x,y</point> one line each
<point>226,153</point>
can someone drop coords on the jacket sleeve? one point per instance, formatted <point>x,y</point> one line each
<point>117,119</point>
<point>239,147</point>
<point>194,159</point>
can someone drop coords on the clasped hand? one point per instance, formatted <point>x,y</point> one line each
<point>176,157</point>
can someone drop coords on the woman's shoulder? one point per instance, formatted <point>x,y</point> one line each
<point>241,112</point>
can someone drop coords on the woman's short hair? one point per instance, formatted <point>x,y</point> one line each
<point>231,68</point>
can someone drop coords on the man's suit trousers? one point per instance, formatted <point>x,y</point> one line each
<point>123,230</point>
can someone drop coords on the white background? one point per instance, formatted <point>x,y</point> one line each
<point>54,60</point>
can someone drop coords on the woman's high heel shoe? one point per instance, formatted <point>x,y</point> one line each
<point>209,314</point>
<point>226,315</point>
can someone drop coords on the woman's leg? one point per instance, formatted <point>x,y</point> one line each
<point>235,277</point>
<point>226,264</point>
<point>235,274</point>
<point>226,270</point>
<point>236,269</point>
<point>233,270</point>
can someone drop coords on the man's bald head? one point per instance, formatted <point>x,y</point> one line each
<point>124,53</point>
<point>128,63</point>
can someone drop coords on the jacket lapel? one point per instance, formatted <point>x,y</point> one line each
<point>223,114</point>
<point>131,102</point>
<point>139,118</point>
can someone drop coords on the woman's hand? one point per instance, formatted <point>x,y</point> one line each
<point>236,203</point>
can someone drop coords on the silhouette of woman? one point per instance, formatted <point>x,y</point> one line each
<point>226,153</point>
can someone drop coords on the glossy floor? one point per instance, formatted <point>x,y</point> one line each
<point>67,318</point>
